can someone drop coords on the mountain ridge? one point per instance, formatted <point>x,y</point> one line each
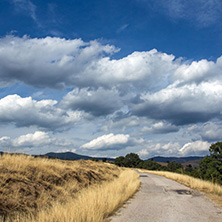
<point>176,159</point>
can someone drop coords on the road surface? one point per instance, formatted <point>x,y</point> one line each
<point>164,200</point>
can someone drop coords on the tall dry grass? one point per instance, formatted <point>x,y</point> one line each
<point>213,190</point>
<point>37,189</point>
<point>95,203</point>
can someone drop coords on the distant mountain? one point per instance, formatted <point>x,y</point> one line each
<point>193,160</point>
<point>74,156</point>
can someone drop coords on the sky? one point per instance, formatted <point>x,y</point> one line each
<point>107,78</point>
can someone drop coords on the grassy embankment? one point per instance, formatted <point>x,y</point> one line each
<point>36,189</point>
<point>214,191</point>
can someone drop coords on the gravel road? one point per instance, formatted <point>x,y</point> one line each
<point>164,200</point>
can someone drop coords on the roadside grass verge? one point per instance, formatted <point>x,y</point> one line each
<point>95,203</point>
<point>214,191</point>
<point>38,189</point>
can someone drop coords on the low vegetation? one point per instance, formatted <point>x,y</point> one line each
<point>95,203</point>
<point>210,167</point>
<point>132,160</point>
<point>38,189</point>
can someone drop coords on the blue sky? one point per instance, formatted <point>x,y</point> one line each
<point>105,78</point>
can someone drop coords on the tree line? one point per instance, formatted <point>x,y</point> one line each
<point>210,167</point>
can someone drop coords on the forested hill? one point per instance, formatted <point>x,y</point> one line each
<point>176,159</point>
<point>74,156</point>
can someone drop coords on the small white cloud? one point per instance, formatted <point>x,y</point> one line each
<point>195,148</point>
<point>108,142</point>
<point>122,28</point>
<point>36,139</point>
<point>160,128</point>
<point>66,150</point>
<point>143,153</point>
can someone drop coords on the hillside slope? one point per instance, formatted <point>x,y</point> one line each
<point>28,184</point>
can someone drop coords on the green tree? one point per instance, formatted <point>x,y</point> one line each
<point>104,159</point>
<point>132,160</point>
<point>188,168</point>
<point>175,167</point>
<point>151,165</point>
<point>216,151</point>
<point>211,166</point>
<point>119,161</point>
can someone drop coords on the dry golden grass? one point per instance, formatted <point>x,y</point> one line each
<point>36,189</point>
<point>214,191</point>
<point>95,203</point>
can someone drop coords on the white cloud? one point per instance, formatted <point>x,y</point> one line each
<point>66,150</point>
<point>97,102</point>
<point>141,94</point>
<point>143,153</point>
<point>199,71</point>
<point>195,148</point>
<point>43,114</point>
<point>123,122</point>
<point>160,128</point>
<point>60,63</point>
<point>50,62</point>
<point>141,69</point>
<point>167,149</point>
<point>35,140</point>
<point>151,148</point>
<point>109,141</point>
<point>183,105</point>
<point>210,131</point>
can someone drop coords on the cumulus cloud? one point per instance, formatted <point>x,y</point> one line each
<point>123,122</point>
<point>140,94</point>
<point>199,71</point>
<point>149,70</point>
<point>150,149</point>
<point>37,139</point>
<point>160,128</point>
<point>183,105</point>
<point>143,153</point>
<point>210,131</point>
<point>25,112</point>
<point>167,149</point>
<point>49,62</point>
<point>60,63</point>
<point>110,142</point>
<point>97,102</point>
<point>195,148</point>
